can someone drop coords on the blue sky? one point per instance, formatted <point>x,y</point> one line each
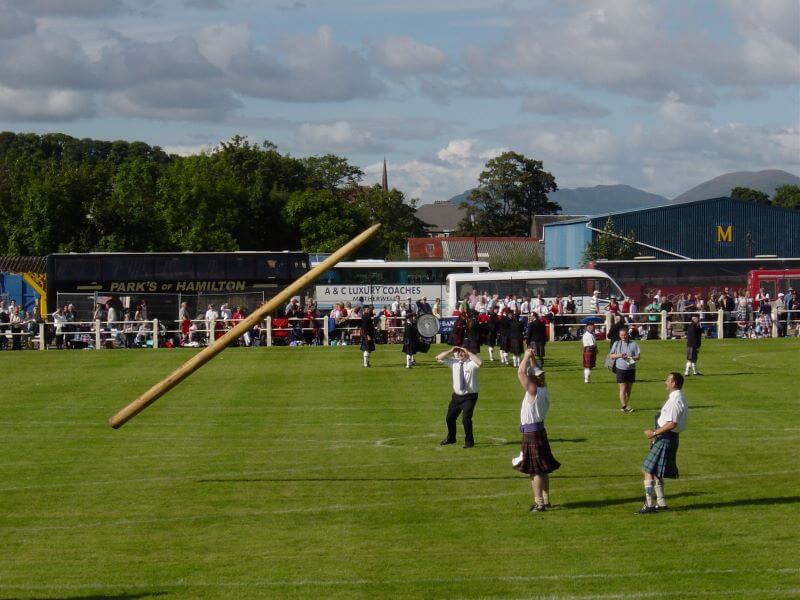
<point>658,95</point>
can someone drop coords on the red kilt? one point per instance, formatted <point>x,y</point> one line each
<point>589,357</point>
<point>537,458</point>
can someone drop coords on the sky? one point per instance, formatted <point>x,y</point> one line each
<point>660,95</point>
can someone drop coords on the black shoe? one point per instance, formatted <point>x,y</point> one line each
<point>646,510</point>
<point>626,410</point>
<point>446,441</point>
<point>661,508</point>
<point>468,444</point>
<point>538,508</point>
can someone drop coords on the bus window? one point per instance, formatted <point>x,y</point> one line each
<point>239,267</point>
<point>131,268</point>
<point>297,267</point>
<point>77,269</point>
<point>173,268</point>
<point>271,268</point>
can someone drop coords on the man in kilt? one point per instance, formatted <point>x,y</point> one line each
<point>589,352</point>
<point>410,340</point>
<point>660,462</point>
<point>536,459</point>
<point>367,334</point>
<point>694,335</point>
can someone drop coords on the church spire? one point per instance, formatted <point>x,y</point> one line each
<point>385,180</point>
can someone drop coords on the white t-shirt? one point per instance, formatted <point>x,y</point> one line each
<point>534,410</point>
<point>211,315</point>
<point>112,315</point>
<point>589,339</point>
<point>470,375</point>
<point>674,410</point>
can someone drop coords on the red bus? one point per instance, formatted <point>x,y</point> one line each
<point>773,281</point>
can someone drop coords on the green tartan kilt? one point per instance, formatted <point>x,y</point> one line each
<point>661,460</point>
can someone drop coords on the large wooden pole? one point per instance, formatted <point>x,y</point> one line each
<point>202,357</point>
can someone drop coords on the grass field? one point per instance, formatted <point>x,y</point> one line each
<point>294,472</point>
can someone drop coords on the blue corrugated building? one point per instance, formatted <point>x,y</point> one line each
<point>706,229</point>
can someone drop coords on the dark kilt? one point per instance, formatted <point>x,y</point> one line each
<point>537,458</point>
<point>515,345</point>
<point>691,353</point>
<point>661,460</point>
<point>590,357</point>
<point>410,346</point>
<point>626,375</point>
<point>491,338</point>
<point>367,346</point>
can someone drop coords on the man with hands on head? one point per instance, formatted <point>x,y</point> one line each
<point>464,366</point>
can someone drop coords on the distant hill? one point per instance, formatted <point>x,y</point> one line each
<point>595,200</point>
<point>763,181</point>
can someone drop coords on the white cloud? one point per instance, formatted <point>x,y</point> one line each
<point>220,42</point>
<point>53,105</point>
<point>406,56</point>
<point>340,136</point>
<point>181,100</point>
<point>71,8</point>
<point>314,69</point>
<point>555,103</point>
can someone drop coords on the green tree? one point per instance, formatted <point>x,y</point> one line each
<point>512,190</point>
<point>610,245</point>
<point>128,219</point>
<point>528,258</point>
<point>750,195</point>
<point>787,196</point>
<point>331,172</point>
<point>199,198</point>
<point>397,216</point>
<point>325,221</point>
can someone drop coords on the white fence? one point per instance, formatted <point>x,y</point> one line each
<point>325,331</point>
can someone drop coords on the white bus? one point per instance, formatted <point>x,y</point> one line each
<point>581,283</point>
<point>380,281</point>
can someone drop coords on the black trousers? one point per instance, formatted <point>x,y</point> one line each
<point>461,404</point>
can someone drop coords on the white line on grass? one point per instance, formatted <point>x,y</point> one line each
<point>346,507</point>
<point>436,581</point>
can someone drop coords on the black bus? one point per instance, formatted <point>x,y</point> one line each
<point>164,280</point>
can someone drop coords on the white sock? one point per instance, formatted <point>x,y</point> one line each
<point>503,357</point>
<point>648,492</point>
<point>658,486</point>
<point>686,370</point>
<point>491,353</point>
<point>545,498</point>
<point>366,358</point>
<point>586,373</point>
<point>694,368</point>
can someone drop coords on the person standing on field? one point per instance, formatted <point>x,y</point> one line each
<point>536,459</point>
<point>660,462</point>
<point>626,354</point>
<point>589,352</point>
<point>694,335</point>
<point>464,365</point>
<point>367,334</point>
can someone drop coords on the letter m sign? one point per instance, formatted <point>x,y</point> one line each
<point>724,234</point>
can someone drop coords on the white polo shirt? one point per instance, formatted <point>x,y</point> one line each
<point>588,339</point>
<point>674,410</point>
<point>470,375</point>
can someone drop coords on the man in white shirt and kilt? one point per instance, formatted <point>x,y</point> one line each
<point>660,462</point>
<point>536,459</point>
<point>589,352</point>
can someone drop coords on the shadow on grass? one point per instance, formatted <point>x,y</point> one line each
<point>90,597</point>
<point>618,501</point>
<point>351,479</point>
<point>743,502</point>
<point>516,442</point>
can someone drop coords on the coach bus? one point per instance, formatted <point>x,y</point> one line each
<point>581,283</point>
<point>642,279</point>
<point>772,281</point>
<point>165,279</point>
<point>379,282</point>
